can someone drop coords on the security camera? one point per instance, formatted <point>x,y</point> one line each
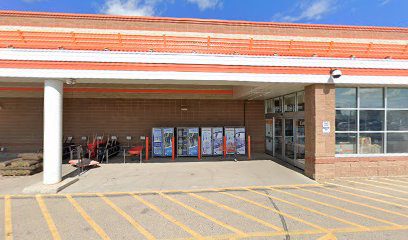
<point>335,73</point>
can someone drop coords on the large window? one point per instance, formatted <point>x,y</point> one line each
<point>371,120</point>
<point>294,102</point>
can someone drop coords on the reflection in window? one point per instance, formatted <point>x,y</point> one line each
<point>371,120</point>
<point>277,105</point>
<point>397,120</point>
<point>397,142</point>
<point>346,97</point>
<point>289,102</point>
<point>397,97</point>
<point>301,101</point>
<point>371,98</point>
<point>346,120</point>
<point>346,143</point>
<point>371,143</point>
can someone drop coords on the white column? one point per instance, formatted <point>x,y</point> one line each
<point>53,100</point>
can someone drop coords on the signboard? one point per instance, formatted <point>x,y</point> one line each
<point>326,127</point>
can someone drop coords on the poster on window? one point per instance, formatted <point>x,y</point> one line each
<point>206,143</point>
<point>240,140</point>
<point>218,140</point>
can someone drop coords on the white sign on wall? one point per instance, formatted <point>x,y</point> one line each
<point>326,127</point>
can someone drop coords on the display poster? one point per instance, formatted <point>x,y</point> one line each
<point>218,140</point>
<point>157,142</point>
<point>326,127</point>
<point>240,140</point>
<point>193,141</point>
<point>206,143</point>
<point>230,138</point>
<point>168,134</point>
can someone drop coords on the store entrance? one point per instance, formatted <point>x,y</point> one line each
<point>285,139</point>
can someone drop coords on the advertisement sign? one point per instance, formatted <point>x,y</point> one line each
<point>240,140</point>
<point>230,137</point>
<point>168,134</point>
<point>157,142</point>
<point>206,141</point>
<point>193,141</point>
<point>218,140</point>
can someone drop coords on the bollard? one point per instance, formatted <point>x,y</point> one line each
<point>173,151</point>
<point>199,148</point>
<point>249,147</point>
<point>147,148</point>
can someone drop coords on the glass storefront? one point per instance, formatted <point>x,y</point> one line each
<point>285,130</point>
<point>371,121</point>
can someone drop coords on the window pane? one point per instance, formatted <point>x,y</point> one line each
<point>301,101</point>
<point>346,97</point>
<point>288,127</point>
<point>289,102</point>
<point>397,97</point>
<point>397,120</point>
<point>346,120</point>
<point>397,143</point>
<point>371,143</point>
<point>371,98</point>
<point>277,105</point>
<point>371,120</point>
<point>346,143</point>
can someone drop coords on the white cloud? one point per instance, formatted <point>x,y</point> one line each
<point>384,2</point>
<point>309,11</point>
<point>33,1</point>
<point>206,4</point>
<point>130,7</point>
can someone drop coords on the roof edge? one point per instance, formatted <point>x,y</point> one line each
<point>199,21</point>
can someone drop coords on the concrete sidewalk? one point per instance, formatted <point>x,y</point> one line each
<point>187,175</point>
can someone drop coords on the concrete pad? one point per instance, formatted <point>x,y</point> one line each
<point>39,187</point>
<point>186,175</point>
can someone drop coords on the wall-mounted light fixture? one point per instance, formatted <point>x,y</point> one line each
<point>184,108</point>
<point>70,81</point>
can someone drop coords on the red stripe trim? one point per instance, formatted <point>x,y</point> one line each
<point>195,68</point>
<point>124,90</point>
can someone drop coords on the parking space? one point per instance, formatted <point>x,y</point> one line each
<point>375,208</point>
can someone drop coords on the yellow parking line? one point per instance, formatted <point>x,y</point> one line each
<point>169,217</point>
<point>354,202</point>
<point>309,209</point>
<point>396,180</point>
<point>366,197</point>
<point>48,218</point>
<point>87,218</point>
<point>337,207</point>
<point>387,183</point>
<point>8,227</point>
<point>372,185</point>
<point>131,220</point>
<point>276,211</point>
<point>236,211</point>
<point>368,191</point>
<point>231,228</point>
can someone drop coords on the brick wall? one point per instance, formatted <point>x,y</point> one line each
<point>21,119</point>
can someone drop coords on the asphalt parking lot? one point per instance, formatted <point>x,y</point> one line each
<point>369,208</point>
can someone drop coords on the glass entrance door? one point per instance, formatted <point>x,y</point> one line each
<point>300,144</point>
<point>289,141</point>
<point>278,138</point>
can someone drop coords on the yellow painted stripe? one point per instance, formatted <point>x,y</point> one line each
<point>8,227</point>
<point>169,217</point>
<point>365,197</point>
<point>276,211</point>
<point>87,218</point>
<point>229,227</point>
<point>376,186</point>
<point>131,220</point>
<point>368,191</point>
<point>387,183</point>
<point>337,207</point>
<point>236,211</point>
<point>309,209</point>
<point>329,236</point>
<point>354,202</point>
<point>396,180</point>
<point>48,218</point>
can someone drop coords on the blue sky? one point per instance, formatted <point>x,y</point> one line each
<point>343,12</point>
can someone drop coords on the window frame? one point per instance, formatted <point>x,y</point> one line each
<point>384,131</point>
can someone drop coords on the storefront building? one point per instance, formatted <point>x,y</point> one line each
<point>331,100</point>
